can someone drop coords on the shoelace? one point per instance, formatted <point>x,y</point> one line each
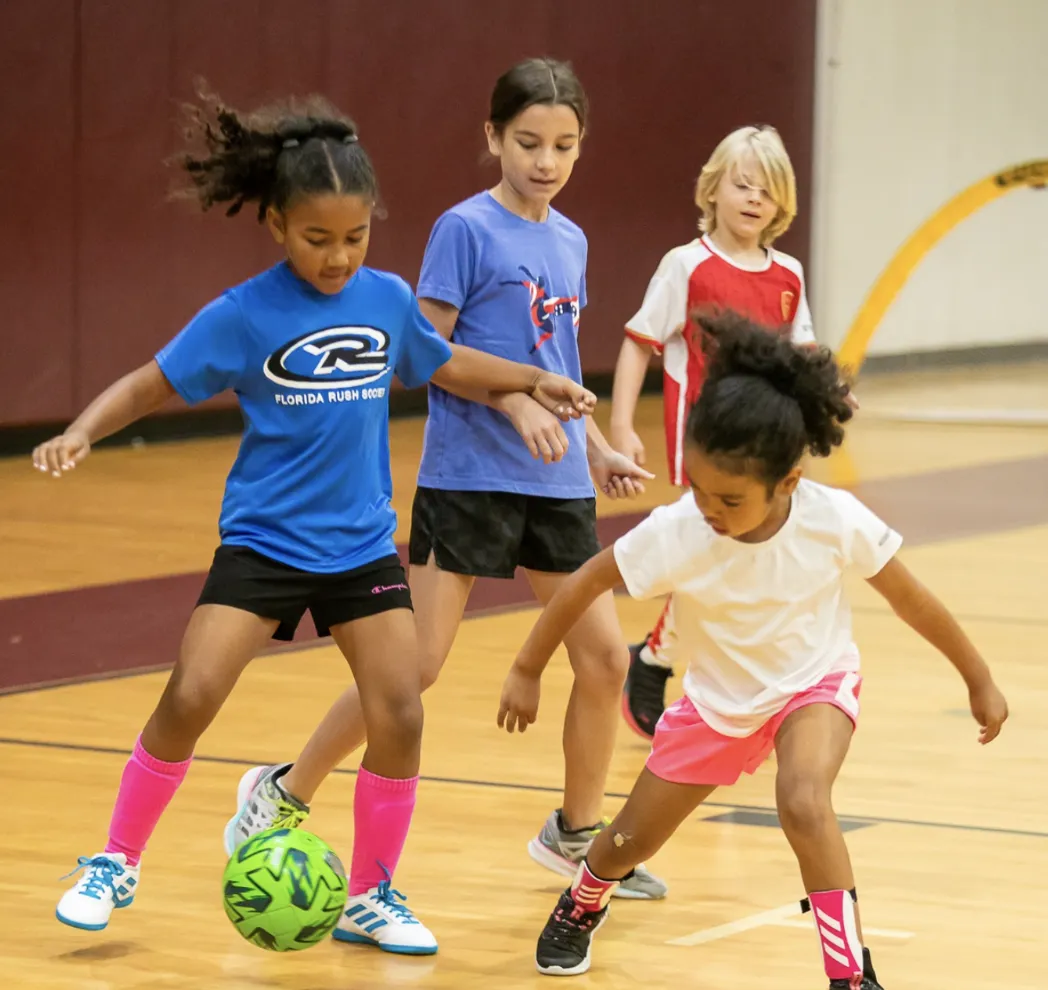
<point>575,925</point>
<point>288,816</point>
<point>100,878</point>
<point>392,900</point>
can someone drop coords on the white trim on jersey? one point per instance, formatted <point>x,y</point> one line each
<point>803,330</point>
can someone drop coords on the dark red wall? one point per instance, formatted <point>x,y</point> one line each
<point>98,270</point>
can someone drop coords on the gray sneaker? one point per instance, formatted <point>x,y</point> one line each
<point>262,804</point>
<point>562,851</point>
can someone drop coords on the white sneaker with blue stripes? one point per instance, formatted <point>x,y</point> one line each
<point>107,883</point>
<point>380,917</point>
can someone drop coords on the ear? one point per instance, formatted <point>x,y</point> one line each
<point>788,485</point>
<point>275,223</point>
<point>494,139</point>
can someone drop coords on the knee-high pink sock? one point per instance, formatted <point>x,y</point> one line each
<point>146,788</point>
<point>382,810</point>
<point>834,912</point>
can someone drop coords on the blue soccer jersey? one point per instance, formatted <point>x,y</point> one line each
<point>519,287</point>
<point>311,485</point>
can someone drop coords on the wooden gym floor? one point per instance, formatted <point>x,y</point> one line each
<point>950,840</point>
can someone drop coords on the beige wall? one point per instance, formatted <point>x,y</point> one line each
<point>916,100</point>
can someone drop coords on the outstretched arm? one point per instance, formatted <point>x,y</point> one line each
<point>125,401</point>
<point>930,619</point>
<point>520,694</point>
<point>473,369</point>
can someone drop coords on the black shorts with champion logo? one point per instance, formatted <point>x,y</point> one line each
<point>490,534</point>
<point>243,578</point>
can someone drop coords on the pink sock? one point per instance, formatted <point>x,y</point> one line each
<point>382,810</point>
<point>834,912</point>
<point>589,892</point>
<point>146,788</point>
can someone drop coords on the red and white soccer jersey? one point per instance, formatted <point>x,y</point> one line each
<point>698,276</point>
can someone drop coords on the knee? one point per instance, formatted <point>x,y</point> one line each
<point>431,665</point>
<point>804,804</point>
<point>601,669</point>
<point>396,720</point>
<point>188,705</point>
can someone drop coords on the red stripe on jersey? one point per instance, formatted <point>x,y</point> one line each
<point>644,341</point>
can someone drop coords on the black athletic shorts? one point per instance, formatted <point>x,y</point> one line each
<point>244,579</point>
<point>490,534</point>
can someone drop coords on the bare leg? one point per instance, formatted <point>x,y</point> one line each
<point>654,810</point>
<point>599,659</point>
<point>218,644</point>
<point>811,746</point>
<point>440,599</point>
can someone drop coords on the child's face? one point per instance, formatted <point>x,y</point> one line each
<point>742,202</point>
<point>537,149</point>
<point>325,237</point>
<point>737,505</point>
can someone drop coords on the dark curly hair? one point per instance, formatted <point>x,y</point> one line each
<point>272,155</point>
<point>765,400</point>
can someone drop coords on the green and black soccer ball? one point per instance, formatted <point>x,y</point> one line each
<point>284,889</point>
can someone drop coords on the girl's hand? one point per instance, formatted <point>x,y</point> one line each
<point>626,441</point>
<point>61,453</point>
<point>616,475</point>
<point>562,396</point>
<point>989,709</point>
<point>539,428</point>
<point>519,706</point>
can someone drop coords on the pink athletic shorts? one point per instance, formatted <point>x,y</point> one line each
<point>686,750</point>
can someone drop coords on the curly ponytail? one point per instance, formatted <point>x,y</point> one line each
<point>765,400</point>
<point>272,155</point>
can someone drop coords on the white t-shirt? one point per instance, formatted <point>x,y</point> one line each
<point>758,622</point>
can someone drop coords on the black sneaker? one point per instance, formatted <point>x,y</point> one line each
<point>564,945</point>
<point>644,697</point>
<point>869,977</point>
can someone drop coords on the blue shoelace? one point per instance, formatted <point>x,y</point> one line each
<point>100,879</point>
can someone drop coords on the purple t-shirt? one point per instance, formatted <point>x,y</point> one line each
<point>519,287</point>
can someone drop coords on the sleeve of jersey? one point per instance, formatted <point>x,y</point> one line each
<point>665,307</point>
<point>803,332</point>
<point>646,556</point>
<point>869,541</point>
<point>448,264</point>
<point>422,349</point>
<point>208,355</point>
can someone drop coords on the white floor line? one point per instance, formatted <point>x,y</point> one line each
<point>742,925</point>
<point>866,930</point>
<point>787,916</point>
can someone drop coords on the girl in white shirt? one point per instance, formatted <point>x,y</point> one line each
<point>755,556</point>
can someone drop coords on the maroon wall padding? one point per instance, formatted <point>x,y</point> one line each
<point>99,270</point>
<point>38,325</point>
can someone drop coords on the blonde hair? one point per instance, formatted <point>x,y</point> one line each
<point>765,145</point>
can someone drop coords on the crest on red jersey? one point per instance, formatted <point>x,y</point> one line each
<point>786,301</point>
